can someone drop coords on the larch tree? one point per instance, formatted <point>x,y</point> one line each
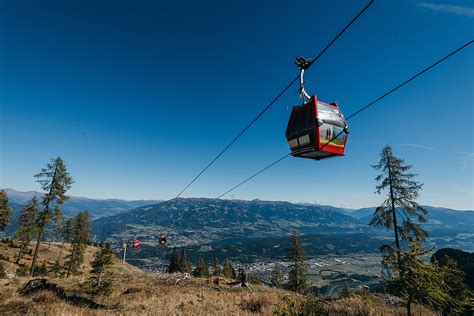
<point>399,211</point>
<point>80,237</point>
<point>297,279</point>
<point>101,278</point>
<point>27,228</point>
<point>55,181</point>
<point>5,210</point>
<point>418,281</point>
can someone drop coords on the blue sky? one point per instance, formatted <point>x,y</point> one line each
<point>139,97</point>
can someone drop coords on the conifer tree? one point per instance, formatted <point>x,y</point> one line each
<point>346,290</point>
<point>174,262</point>
<point>101,279</point>
<point>65,236</point>
<point>217,268</point>
<point>183,263</point>
<point>80,237</point>
<point>228,270</point>
<point>27,226</point>
<point>417,281</point>
<point>55,181</point>
<point>276,277</point>
<point>399,211</point>
<point>202,269</point>
<point>242,277</point>
<point>5,210</point>
<point>297,280</point>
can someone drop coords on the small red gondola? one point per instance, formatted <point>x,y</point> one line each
<point>316,130</point>
<point>163,241</point>
<point>136,244</point>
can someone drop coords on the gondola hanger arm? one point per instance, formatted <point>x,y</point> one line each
<point>303,64</point>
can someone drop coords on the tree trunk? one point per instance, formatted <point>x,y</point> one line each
<point>43,222</point>
<point>409,306</point>
<point>100,277</point>
<point>296,278</point>
<point>394,212</point>
<point>38,243</point>
<point>60,252</point>
<point>22,248</point>
<point>69,268</point>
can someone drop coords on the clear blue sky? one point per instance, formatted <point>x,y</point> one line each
<point>138,97</point>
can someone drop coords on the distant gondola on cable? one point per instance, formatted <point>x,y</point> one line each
<point>163,241</point>
<point>316,130</point>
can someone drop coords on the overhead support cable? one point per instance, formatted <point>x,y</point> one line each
<point>356,113</point>
<point>273,101</point>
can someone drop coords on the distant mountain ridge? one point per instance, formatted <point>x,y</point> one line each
<point>438,219</point>
<point>195,220</point>
<point>199,220</point>
<point>192,221</point>
<point>96,207</point>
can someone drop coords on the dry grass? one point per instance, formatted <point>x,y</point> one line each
<point>372,305</point>
<point>138,292</point>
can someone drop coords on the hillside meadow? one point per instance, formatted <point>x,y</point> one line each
<point>139,292</point>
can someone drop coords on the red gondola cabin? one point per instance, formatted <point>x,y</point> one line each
<point>136,244</point>
<point>317,130</point>
<point>163,241</point>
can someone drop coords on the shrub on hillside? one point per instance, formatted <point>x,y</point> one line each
<point>255,279</point>
<point>255,305</point>
<point>22,271</point>
<point>310,305</point>
<point>41,270</point>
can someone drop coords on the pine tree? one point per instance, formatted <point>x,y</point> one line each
<point>174,262</point>
<point>202,269</point>
<point>217,268</point>
<point>184,265</point>
<point>5,210</point>
<point>80,237</point>
<point>26,226</point>
<point>297,280</point>
<point>101,280</point>
<point>228,270</point>
<point>276,277</point>
<point>56,181</point>
<point>399,211</point>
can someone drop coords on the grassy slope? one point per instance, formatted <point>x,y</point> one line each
<point>136,291</point>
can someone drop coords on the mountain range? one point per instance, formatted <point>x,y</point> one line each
<point>200,221</point>
<point>96,207</point>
